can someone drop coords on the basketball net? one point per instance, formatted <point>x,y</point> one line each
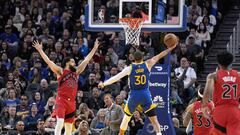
<point>132,28</point>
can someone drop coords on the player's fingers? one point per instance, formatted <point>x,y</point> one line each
<point>34,42</point>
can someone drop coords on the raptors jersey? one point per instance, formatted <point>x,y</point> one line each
<point>202,125</point>
<point>67,85</point>
<point>226,88</point>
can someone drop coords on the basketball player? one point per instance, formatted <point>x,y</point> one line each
<point>67,87</point>
<point>202,125</point>
<point>138,73</point>
<point>226,84</point>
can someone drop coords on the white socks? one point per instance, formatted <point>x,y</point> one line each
<point>159,133</point>
<point>59,126</point>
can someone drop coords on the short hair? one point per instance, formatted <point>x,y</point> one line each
<point>65,61</point>
<point>224,58</point>
<point>138,55</point>
<point>175,122</point>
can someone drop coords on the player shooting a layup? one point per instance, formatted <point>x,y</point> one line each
<point>67,87</point>
<point>139,73</point>
<point>226,85</point>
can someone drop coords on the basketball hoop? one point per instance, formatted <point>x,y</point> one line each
<point>132,28</point>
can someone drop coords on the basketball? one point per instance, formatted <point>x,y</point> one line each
<point>170,40</point>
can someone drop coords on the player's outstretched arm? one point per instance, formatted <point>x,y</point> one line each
<point>84,63</point>
<point>206,95</point>
<point>56,69</point>
<point>156,58</point>
<point>188,115</point>
<point>124,72</point>
<point>208,89</point>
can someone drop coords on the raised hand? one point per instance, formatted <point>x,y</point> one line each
<point>96,44</point>
<point>37,45</point>
<point>100,85</point>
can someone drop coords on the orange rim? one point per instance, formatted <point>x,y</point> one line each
<point>133,22</point>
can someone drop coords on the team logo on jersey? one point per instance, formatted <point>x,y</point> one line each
<point>159,101</point>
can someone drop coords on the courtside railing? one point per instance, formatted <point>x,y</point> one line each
<point>234,42</point>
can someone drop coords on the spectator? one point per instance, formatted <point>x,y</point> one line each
<point>6,62</point>
<point>95,101</point>
<point>76,125</point>
<point>209,26</point>
<point>38,100</point>
<point>4,91</point>
<point>32,118</point>
<point>197,51</point>
<point>38,71</point>
<point>50,125</point>
<point>114,116</point>
<point>113,55</point>
<point>197,11</point>
<point>83,49</point>
<point>212,18</point>
<point>45,35</point>
<point>41,128</point>
<point>5,48</point>
<point>45,91</point>
<point>35,15</point>
<point>23,110</point>
<point>188,76</point>
<point>24,51</point>
<point>10,37</point>
<point>136,123</point>
<point>203,36</point>
<point>184,52</point>
<point>106,64</point>
<point>11,120</point>
<point>120,101</point>
<point>12,99</point>
<point>178,130</point>
<point>91,82</point>
<point>118,48</point>
<point>76,55</point>
<point>49,107</point>
<point>19,129</point>
<point>116,87</point>
<point>83,129</point>
<point>97,124</point>
<point>85,113</point>
<point>28,28</point>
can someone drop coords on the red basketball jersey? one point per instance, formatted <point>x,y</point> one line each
<point>226,88</point>
<point>202,125</point>
<point>67,85</point>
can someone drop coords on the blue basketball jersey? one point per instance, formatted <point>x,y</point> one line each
<point>139,76</point>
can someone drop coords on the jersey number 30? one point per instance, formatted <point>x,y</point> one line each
<point>140,79</point>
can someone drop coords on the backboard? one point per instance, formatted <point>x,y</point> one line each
<point>159,15</point>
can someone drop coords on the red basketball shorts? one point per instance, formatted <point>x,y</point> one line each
<point>64,108</point>
<point>226,119</point>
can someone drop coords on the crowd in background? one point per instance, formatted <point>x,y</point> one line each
<point>28,87</point>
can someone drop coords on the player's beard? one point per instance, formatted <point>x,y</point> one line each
<point>72,68</point>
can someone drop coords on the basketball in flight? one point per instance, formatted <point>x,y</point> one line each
<point>170,40</point>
